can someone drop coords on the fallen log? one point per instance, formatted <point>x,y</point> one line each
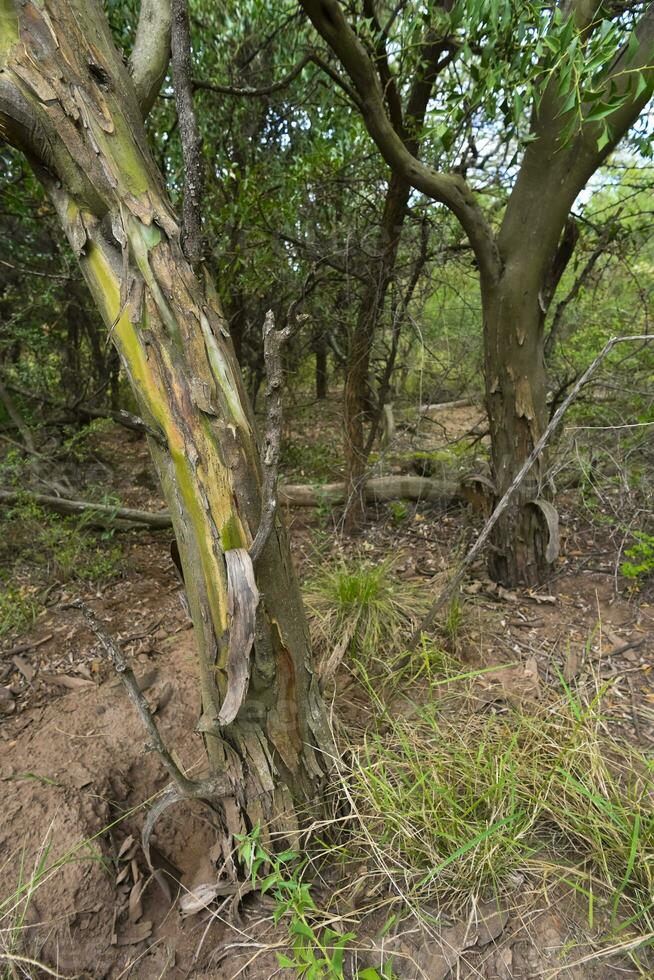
<point>378,489</point>
<point>444,406</point>
<point>97,515</point>
<point>121,417</point>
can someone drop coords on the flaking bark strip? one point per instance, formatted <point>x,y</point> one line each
<point>242,602</point>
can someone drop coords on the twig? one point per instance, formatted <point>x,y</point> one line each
<point>24,647</point>
<point>34,272</point>
<point>187,787</point>
<point>188,131</point>
<point>625,647</point>
<point>256,92</point>
<point>134,692</point>
<point>273,341</point>
<point>446,594</point>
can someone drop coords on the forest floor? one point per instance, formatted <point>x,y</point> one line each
<point>75,778</point>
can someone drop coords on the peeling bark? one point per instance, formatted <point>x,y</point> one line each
<point>71,92</point>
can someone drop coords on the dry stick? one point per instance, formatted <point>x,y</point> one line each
<point>455,581</point>
<point>17,419</point>
<point>24,647</point>
<point>273,341</point>
<point>214,785</point>
<point>188,131</point>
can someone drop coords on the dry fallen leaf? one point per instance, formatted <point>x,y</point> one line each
<point>125,846</point>
<point>122,874</point>
<point>134,935</point>
<point>72,682</point>
<point>135,904</point>
<point>571,666</point>
<point>25,667</point>
<point>198,898</point>
<point>7,703</point>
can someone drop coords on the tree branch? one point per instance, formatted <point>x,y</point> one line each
<point>560,262</point>
<point>99,515</point>
<point>580,281</point>
<point>449,189</point>
<point>148,62</point>
<point>273,340</point>
<point>257,92</point>
<point>135,695</point>
<point>189,133</point>
<point>389,86</point>
<point>186,786</point>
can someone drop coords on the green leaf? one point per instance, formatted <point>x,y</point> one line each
<point>601,113</point>
<point>286,961</point>
<point>641,85</point>
<point>301,928</point>
<point>569,103</point>
<point>632,46</point>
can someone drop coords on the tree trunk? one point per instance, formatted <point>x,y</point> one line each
<point>355,397</point>
<point>515,393</point>
<point>73,103</point>
<point>320,350</point>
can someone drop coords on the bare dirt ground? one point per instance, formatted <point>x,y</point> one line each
<point>73,760</point>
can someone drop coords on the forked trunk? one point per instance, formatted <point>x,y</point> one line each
<point>76,103</point>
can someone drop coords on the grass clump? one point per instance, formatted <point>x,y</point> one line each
<point>365,607</point>
<point>45,549</point>
<point>455,800</point>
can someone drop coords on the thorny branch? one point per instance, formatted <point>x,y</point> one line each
<point>449,590</point>
<point>189,133</point>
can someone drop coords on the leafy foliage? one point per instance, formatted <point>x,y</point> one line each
<point>318,951</point>
<point>641,557</point>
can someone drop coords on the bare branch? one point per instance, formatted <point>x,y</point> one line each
<point>449,590</point>
<point>257,92</point>
<point>136,696</point>
<point>560,262</point>
<point>273,341</point>
<point>148,62</point>
<point>389,85</point>
<point>580,281</point>
<point>189,133</point>
<point>98,515</point>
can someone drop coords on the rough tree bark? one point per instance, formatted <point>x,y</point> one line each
<point>68,101</point>
<point>520,265</point>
